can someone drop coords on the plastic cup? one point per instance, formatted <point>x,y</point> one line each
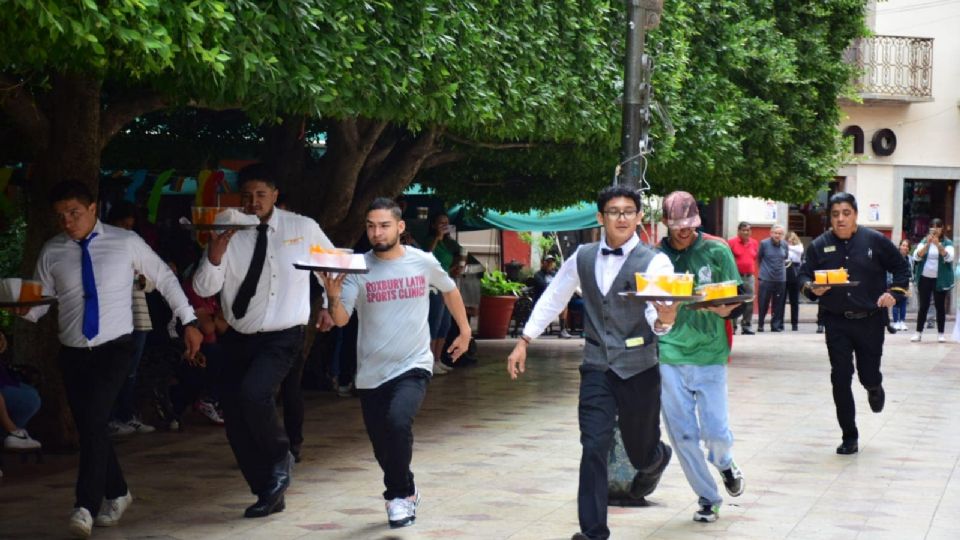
<point>665,283</point>
<point>837,276</point>
<point>30,290</point>
<point>683,285</point>
<point>642,281</point>
<point>728,289</point>
<point>821,276</point>
<point>10,289</point>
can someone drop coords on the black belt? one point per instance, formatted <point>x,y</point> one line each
<point>855,315</point>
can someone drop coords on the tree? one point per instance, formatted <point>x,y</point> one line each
<point>405,87</point>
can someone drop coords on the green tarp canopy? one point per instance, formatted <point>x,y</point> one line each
<point>572,218</point>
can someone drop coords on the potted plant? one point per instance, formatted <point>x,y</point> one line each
<point>497,297</point>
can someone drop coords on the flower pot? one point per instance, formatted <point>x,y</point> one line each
<point>496,312</point>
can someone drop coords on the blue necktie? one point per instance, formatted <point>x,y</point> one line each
<point>91,306</point>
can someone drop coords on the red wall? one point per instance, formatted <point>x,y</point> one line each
<point>514,249</point>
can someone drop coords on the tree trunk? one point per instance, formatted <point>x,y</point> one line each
<point>72,151</point>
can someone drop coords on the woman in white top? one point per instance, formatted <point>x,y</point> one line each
<point>933,274</point>
<point>795,257</point>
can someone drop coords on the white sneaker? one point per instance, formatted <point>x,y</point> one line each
<point>440,369</point>
<point>565,335</point>
<point>115,428</point>
<point>208,410</point>
<point>941,338</point>
<point>345,390</point>
<point>915,338</point>
<point>139,427</point>
<point>112,510</point>
<point>20,440</point>
<point>80,524</point>
<point>403,512</point>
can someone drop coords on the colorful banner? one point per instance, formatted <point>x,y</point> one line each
<point>137,179</point>
<point>153,203</point>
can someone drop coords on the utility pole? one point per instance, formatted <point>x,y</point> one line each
<point>642,15</point>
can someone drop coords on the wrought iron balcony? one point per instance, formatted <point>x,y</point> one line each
<point>893,68</point>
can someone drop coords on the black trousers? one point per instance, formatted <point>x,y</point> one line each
<point>849,339</point>
<point>634,403</point>
<point>93,378</point>
<point>291,391</point>
<point>388,413</point>
<point>771,296</point>
<point>254,367</point>
<point>793,297</point>
<point>925,288</point>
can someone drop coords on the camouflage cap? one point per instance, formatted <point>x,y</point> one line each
<point>680,210</point>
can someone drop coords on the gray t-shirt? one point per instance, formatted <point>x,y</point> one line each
<point>773,260</point>
<point>392,305</point>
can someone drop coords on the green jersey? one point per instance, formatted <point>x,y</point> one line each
<point>699,337</point>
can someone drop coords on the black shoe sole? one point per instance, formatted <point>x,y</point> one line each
<point>402,523</point>
<point>280,506</point>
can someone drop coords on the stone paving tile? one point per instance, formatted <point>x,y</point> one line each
<point>496,459</point>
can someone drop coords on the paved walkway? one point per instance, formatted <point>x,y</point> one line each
<point>496,459</point>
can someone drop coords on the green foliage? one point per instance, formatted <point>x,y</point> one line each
<point>495,283</point>
<point>11,253</point>
<point>751,89</point>
<point>543,243</point>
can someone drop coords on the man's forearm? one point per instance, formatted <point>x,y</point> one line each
<point>454,302</point>
<point>337,312</point>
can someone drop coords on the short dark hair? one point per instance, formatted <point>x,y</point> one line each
<point>936,222</point>
<point>256,172</point>
<point>743,224</point>
<point>614,192</point>
<point>121,210</point>
<point>386,203</point>
<point>70,189</point>
<point>840,198</point>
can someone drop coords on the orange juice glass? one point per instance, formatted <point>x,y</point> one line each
<point>728,289</point>
<point>683,285</point>
<point>642,281</point>
<point>821,276</point>
<point>665,283</point>
<point>837,276</point>
<point>30,291</point>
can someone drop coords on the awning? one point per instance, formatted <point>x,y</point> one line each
<point>572,218</point>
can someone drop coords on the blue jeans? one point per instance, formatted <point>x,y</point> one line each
<point>694,407</point>
<point>22,402</point>
<point>439,317</point>
<point>900,311</point>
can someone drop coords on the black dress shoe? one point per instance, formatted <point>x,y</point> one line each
<point>848,447</point>
<point>891,329</point>
<point>271,500</point>
<point>776,329</point>
<point>876,397</point>
<point>295,451</point>
<point>579,536</point>
<point>747,332</point>
<point>265,506</point>
<point>645,483</point>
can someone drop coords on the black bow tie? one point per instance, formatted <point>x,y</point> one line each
<point>618,251</point>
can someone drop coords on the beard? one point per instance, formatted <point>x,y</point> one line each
<point>385,246</point>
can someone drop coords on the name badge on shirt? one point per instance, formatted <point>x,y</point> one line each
<point>634,342</point>
<point>292,241</point>
<point>829,249</point>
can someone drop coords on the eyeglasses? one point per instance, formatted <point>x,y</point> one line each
<point>617,214</point>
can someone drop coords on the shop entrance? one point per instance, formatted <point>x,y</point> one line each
<point>924,200</point>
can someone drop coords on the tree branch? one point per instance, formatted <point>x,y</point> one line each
<point>18,103</point>
<point>125,111</point>
<point>494,146</point>
<point>442,158</point>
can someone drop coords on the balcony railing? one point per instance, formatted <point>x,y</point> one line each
<point>893,68</point>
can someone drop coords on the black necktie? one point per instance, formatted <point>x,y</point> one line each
<point>249,285</point>
<point>618,251</point>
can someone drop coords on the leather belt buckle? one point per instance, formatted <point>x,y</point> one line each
<point>855,315</point>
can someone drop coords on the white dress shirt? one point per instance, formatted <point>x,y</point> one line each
<point>116,254</point>
<point>558,293</point>
<point>282,299</point>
